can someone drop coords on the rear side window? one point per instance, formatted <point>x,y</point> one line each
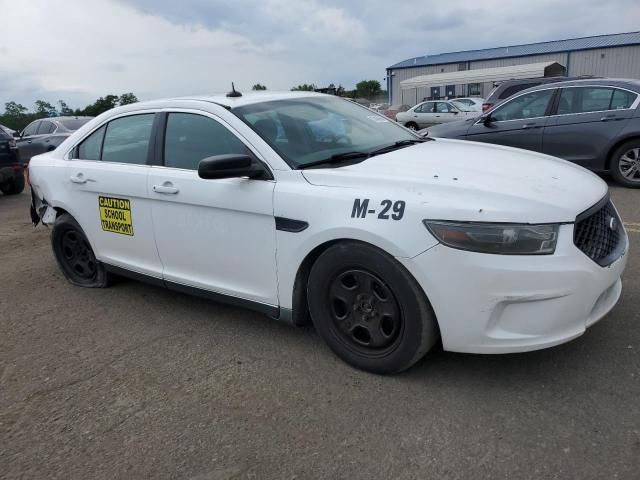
<point>127,139</point>
<point>46,127</point>
<point>622,99</point>
<point>529,105</point>
<point>124,140</point>
<point>593,99</point>
<point>513,89</point>
<point>442,107</point>
<point>190,138</point>
<point>91,147</point>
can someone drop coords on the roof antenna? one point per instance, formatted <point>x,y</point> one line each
<point>233,93</point>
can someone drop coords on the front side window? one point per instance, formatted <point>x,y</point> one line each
<point>425,108</point>
<point>31,129</point>
<point>127,139</point>
<point>190,138</point>
<point>529,105</point>
<point>311,129</point>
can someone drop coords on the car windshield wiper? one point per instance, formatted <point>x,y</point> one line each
<point>337,158</point>
<point>399,144</point>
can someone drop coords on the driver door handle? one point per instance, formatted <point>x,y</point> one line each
<point>606,118</point>
<point>529,125</point>
<point>166,188</point>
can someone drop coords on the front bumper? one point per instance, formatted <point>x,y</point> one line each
<point>507,303</point>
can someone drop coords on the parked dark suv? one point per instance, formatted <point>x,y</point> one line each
<point>594,123</point>
<point>11,170</point>
<point>44,135</point>
<point>511,87</point>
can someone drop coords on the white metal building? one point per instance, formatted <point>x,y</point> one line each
<point>474,72</point>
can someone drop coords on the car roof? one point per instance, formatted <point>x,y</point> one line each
<point>630,84</point>
<point>248,98</point>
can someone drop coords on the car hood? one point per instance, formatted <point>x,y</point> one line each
<point>468,181</point>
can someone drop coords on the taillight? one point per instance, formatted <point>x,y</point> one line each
<point>486,106</point>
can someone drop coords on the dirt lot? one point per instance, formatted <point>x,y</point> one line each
<point>138,382</point>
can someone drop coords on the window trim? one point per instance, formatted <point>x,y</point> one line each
<point>158,160</point>
<point>71,152</point>
<point>548,110</point>
<point>633,106</point>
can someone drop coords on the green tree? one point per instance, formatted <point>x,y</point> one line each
<point>368,88</point>
<point>305,88</point>
<point>14,109</point>
<point>128,98</point>
<point>45,109</point>
<point>16,116</point>
<point>101,105</point>
<point>64,108</point>
<point>258,86</point>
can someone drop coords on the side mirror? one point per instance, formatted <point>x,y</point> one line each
<point>486,120</point>
<point>16,134</point>
<point>455,112</point>
<point>230,166</point>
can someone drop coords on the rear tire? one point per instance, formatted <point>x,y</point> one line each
<point>14,186</point>
<point>369,309</point>
<point>625,164</point>
<point>75,256</point>
<point>412,126</point>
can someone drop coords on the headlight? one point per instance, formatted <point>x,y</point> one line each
<point>498,238</point>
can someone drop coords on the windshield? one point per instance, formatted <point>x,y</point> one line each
<point>307,130</point>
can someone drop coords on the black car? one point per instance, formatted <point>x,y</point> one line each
<point>44,135</point>
<point>594,123</point>
<point>510,87</point>
<point>11,170</point>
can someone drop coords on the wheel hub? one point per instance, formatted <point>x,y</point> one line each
<point>365,312</point>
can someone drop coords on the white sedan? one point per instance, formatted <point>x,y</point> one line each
<point>473,104</point>
<point>433,112</point>
<point>306,207</point>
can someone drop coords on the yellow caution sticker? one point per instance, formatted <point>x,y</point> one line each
<point>115,215</point>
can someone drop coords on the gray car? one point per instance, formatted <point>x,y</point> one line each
<point>45,135</point>
<point>594,123</point>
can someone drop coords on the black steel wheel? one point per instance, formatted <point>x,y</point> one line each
<point>74,254</point>
<point>369,309</point>
<point>366,315</point>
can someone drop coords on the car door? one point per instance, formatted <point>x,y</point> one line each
<point>519,122</point>
<point>216,235</point>
<point>445,112</point>
<point>107,178</point>
<point>423,114</point>
<point>25,142</point>
<point>41,141</point>
<point>586,122</point>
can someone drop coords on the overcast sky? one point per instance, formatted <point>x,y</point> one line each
<point>78,50</point>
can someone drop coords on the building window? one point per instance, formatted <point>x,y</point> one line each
<point>462,66</point>
<point>474,90</point>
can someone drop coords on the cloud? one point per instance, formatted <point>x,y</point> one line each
<point>160,48</point>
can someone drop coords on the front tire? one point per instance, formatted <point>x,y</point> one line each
<point>369,309</point>
<point>625,164</point>
<point>14,186</point>
<point>75,256</point>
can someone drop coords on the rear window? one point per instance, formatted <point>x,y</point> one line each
<point>507,92</point>
<point>73,123</point>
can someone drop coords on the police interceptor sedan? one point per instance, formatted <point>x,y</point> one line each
<point>307,207</point>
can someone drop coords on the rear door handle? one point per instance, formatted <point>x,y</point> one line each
<point>79,178</point>
<point>29,141</point>
<point>606,118</point>
<point>166,188</point>
<point>529,125</point>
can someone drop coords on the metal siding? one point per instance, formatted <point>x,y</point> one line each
<point>514,51</point>
<point>622,62</point>
<point>561,58</point>
<point>405,73</point>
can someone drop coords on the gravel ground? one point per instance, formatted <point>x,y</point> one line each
<point>138,382</point>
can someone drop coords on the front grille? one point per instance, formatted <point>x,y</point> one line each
<point>594,236</point>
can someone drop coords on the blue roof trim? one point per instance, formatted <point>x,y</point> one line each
<point>569,45</point>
